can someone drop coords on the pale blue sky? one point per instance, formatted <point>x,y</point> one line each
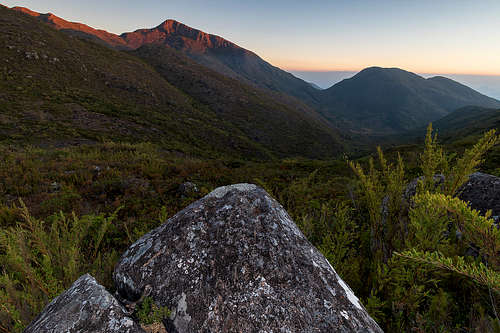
<point>438,36</point>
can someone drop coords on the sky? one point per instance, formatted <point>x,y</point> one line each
<point>423,36</point>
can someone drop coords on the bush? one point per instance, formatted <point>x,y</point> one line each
<point>418,268</point>
<point>39,260</point>
<point>149,313</point>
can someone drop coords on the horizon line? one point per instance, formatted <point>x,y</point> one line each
<point>357,70</point>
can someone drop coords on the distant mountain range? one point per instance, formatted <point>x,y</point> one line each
<point>240,87</point>
<point>393,100</point>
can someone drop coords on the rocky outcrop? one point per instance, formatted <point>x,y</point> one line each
<point>482,191</point>
<point>85,307</point>
<point>234,261</point>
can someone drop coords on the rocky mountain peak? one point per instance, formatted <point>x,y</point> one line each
<point>26,11</point>
<point>174,33</point>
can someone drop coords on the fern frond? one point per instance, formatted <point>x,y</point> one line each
<point>476,271</point>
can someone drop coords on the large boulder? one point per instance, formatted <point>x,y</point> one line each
<point>85,307</point>
<point>234,261</point>
<point>482,191</point>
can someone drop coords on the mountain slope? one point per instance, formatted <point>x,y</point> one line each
<point>209,50</point>
<point>470,120</point>
<point>56,89</point>
<point>79,29</point>
<point>393,100</point>
<point>227,96</point>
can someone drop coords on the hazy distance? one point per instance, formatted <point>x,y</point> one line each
<point>485,84</point>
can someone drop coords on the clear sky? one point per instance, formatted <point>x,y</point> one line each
<point>426,36</point>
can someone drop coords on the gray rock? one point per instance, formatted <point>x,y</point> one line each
<point>482,191</point>
<point>31,55</point>
<point>188,188</point>
<point>234,261</point>
<point>411,188</point>
<point>55,187</point>
<point>85,307</point>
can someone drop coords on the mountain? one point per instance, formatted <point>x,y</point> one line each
<point>224,57</point>
<point>230,97</point>
<point>467,121</point>
<point>375,102</point>
<point>57,89</point>
<point>390,100</point>
<point>209,50</point>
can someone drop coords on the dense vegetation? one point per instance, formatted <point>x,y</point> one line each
<point>67,211</point>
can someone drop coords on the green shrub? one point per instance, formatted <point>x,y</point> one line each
<point>149,313</point>
<point>417,247</point>
<point>39,260</point>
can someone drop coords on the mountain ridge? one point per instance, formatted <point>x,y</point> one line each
<point>470,120</point>
<point>173,27</point>
<point>226,57</point>
<point>106,37</point>
<point>394,100</point>
<point>59,90</point>
<point>375,101</point>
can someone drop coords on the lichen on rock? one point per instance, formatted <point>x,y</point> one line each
<point>85,307</point>
<point>235,261</point>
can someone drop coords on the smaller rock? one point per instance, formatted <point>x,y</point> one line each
<point>55,187</point>
<point>31,55</point>
<point>188,188</point>
<point>411,189</point>
<point>85,307</point>
<point>154,328</point>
